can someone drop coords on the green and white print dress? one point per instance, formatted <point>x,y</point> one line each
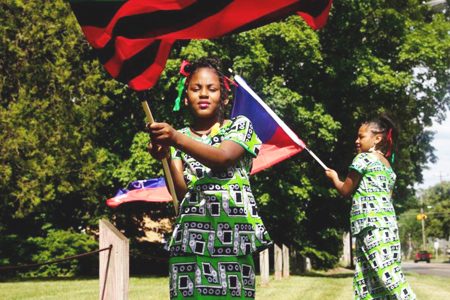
<point>218,227</point>
<point>378,274</point>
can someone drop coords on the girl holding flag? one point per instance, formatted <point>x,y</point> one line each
<point>218,227</point>
<point>370,181</point>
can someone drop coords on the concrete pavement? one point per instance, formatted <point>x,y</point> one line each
<point>436,269</point>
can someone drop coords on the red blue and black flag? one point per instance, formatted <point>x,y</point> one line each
<point>133,38</point>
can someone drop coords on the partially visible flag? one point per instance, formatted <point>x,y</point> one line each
<point>279,141</point>
<point>149,190</point>
<point>133,38</point>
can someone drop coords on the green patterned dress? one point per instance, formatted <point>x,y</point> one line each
<point>378,274</point>
<point>218,227</point>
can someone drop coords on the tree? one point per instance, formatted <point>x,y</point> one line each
<point>55,99</point>
<point>437,200</point>
<point>436,204</point>
<point>72,135</point>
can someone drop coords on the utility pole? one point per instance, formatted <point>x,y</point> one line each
<point>410,250</point>
<point>423,227</point>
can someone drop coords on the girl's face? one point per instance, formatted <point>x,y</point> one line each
<point>366,139</point>
<point>203,93</point>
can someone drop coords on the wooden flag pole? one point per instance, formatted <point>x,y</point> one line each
<point>316,158</point>
<point>165,163</point>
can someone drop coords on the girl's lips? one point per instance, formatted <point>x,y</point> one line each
<point>203,105</point>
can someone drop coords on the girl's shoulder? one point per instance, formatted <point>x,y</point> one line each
<point>361,162</point>
<point>239,121</point>
<point>364,157</point>
<point>365,160</point>
<point>240,118</point>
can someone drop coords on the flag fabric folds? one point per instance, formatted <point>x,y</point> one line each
<point>149,190</point>
<point>133,38</point>
<point>279,142</point>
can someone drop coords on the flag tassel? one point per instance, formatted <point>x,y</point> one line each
<point>165,163</point>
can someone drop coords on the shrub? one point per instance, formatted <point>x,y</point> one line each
<point>60,244</point>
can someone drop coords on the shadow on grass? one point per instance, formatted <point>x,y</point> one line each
<point>62,279</point>
<point>20,279</point>
<point>341,273</point>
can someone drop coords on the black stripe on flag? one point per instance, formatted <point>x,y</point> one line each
<point>313,7</point>
<point>137,64</point>
<point>95,13</point>
<point>165,21</point>
<point>107,52</point>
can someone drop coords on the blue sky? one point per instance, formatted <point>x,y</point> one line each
<point>441,169</point>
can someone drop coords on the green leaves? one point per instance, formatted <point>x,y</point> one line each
<point>71,135</point>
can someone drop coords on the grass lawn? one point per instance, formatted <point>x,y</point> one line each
<point>323,286</point>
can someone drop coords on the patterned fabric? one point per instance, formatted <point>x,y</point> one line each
<point>203,277</point>
<point>378,274</point>
<point>371,203</point>
<point>218,215</point>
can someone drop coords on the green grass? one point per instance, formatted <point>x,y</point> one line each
<point>323,286</point>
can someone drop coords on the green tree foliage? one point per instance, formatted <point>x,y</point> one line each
<point>410,230</point>
<point>437,200</point>
<point>436,205</point>
<point>60,244</point>
<point>71,135</point>
<point>55,102</point>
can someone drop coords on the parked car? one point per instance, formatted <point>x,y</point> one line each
<point>422,256</point>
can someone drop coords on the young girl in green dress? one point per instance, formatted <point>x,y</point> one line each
<point>370,181</point>
<point>218,226</point>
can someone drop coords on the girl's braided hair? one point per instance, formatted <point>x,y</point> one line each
<point>215,65</point>
<point>389,131</point>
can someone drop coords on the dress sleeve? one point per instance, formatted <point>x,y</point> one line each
<point>241,132</point>
<point>175,153</point>
<point>360,163</point>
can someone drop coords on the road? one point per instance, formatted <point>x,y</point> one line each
<point>437,269</point>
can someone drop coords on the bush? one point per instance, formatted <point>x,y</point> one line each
<point>60,244</point>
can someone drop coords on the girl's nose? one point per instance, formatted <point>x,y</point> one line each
<point>203,92</point>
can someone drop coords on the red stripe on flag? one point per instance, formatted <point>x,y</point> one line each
<point>125,49</point>
<point>150,76</point>
<point>160,194</point>
<point>278,148</point>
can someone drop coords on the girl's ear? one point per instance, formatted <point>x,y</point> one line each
<point>378,138</point>
<point>186,102</point>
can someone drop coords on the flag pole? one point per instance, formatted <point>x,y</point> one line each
<point>165,163</point>
<point>316,158</point>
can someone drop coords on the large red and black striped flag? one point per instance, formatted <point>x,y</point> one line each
<point>133,38</point>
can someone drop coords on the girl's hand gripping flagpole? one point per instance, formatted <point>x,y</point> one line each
<point>165,163</point>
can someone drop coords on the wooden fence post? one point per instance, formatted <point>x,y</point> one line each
<point>285,261</point>
<point>264,266</point>
<point>114,270</point>
<point>278,261</point>
<point>347,250</point>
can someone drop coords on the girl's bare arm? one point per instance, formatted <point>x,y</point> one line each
<point>213,157</point>
<point>346,187</point>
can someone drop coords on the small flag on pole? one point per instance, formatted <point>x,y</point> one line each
<point>279,141</point>
<point>149,190</point>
